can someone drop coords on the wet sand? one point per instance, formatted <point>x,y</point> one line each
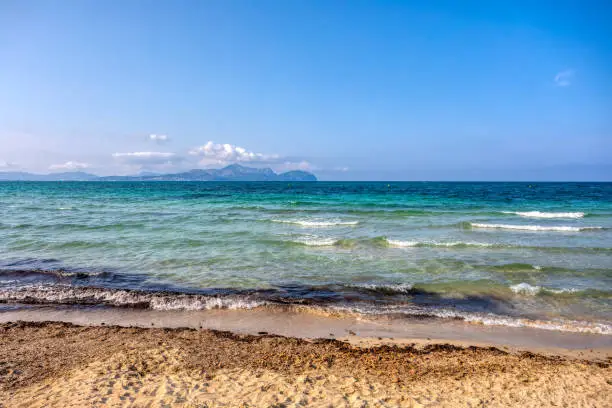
<point>307,323</point>
<point>53,364</point>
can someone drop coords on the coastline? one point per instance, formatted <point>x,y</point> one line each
<point>310,324</point>
<point>61,364</point>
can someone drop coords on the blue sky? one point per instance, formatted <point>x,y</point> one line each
<point>387,90</point>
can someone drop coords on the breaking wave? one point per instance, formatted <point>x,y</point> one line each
<point>490,319</point>
<point>315,241</point>
<point>384,242</point>
<point>387,288</point>
<point>524,288</point>
<point>561,228</point>
<point>456,244</point>
<point>315,224</point>
<point>172,301</point>
<point>60,294</point>
<point>486,319</point>
<point>541,214</point>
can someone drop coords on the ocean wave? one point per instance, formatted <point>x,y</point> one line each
<point>173,301</point>
<point>455,244</point>
<point>63,294</point>
<point>541,214</point>
<point>486,319</point>
<point>315,224</point>
<point>386,288</point>
<point>25,275</point>
<point>561,228</point>
<point>384,242</point>
<point>9,281</point>
<point>401,244</point>
<point>490,319</point>
<point>483,289</point>
<point>524,288</point>
<point>315,241</point>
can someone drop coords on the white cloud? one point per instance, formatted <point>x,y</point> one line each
<point>147,157</point>
<point>564,78</point>
<point>69,165</point>
<point>217,153</point>
<point>7,165</point>
<point>159,138</point>
<point>288,166</point>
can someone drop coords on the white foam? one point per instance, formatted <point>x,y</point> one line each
<point>562,228</point>
<point>562,290</point>
<point>163,301</point>
<point>9,282</point>
<point>525,289</point>
<point>391,287</point>
<point>312,240</point>
<point>542,214</point>
<point>157,301</point>
<point>558,325</point>
<point>402,244</point>
<point>487,319</point>
<point>531,290</point>
<point>200,303</point>
<point>456,244</point>
<point>315,224</point>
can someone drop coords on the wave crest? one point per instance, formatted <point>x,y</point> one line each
<point>169,301</point>
<point>315,241</point>
<point>524,288</point>
<point>542,214</point>
<point>560,228</point>
<point>456,244</point>
<point>315,224</point>
<point>486,319</point>
<point>58,294</point>
<point>387,288</point>
<point>491,319</point>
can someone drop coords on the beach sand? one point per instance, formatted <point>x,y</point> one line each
<point>54,364</point>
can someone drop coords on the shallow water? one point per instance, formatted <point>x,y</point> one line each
<point>519,254</point>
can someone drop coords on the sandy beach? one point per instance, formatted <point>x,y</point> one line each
<point>54,364</point>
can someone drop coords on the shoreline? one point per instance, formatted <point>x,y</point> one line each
<point>60,365</point>
<point>518,305</point>
<point>309,324</point>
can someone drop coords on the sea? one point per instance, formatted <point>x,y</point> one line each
<point>503,254</point>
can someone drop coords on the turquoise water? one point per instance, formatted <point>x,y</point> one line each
<point>536,254</point>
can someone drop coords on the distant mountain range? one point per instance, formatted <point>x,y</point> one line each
<point>234,172</point>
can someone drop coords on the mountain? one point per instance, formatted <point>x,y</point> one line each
<point>234,172</point>
<point>298,175</point>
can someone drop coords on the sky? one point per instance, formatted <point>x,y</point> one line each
<point>350,90</point>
